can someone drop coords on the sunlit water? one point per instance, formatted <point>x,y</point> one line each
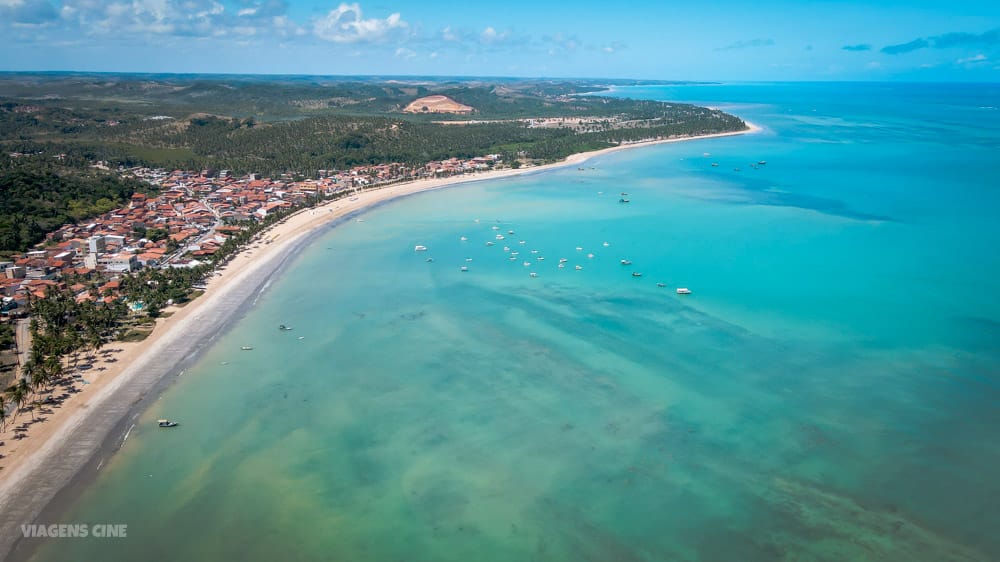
<point>829,391</point>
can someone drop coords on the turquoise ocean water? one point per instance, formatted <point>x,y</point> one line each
<point>828,392</point>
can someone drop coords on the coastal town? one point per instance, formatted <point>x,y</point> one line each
<point>189,219</point>
<point>181,223</point>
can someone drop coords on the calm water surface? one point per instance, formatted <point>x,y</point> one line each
<point>828,392</point>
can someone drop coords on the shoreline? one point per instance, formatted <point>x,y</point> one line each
<point>77,438</point>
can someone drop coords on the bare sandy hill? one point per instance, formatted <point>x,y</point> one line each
<point>437,104</point>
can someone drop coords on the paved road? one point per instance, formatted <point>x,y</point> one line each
<point>22,335</point>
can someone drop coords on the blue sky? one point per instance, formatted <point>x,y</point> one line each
<point>760,40</point>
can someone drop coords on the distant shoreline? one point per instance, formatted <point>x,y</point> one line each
<point>51,466</point>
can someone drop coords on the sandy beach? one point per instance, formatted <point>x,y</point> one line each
<point>94,422</point>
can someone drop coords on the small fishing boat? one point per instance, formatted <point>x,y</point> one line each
<point>563,260</point>
<point>506,248</point>
<point>468,259</point>
<point>661,285</point>
<point>590,256</point>
<point>463,239</point>
<point>715,164</point>
<point>489,243</point>
<point>246,348</point>
<point>624,200</point>
<point>606,244</point>
<point>419,248</point>
<point>683,291</point>
<point>463,268</point>
<point>284,328</point>
<point>762,163</point>
<point>527,264</point>
<point>579,267</point>
<point>522,242</point>
<point>626,262</point>
<point>540,258</point>
<point>534,251</point>
<point>533,274</point>
<point>512,258</point>
<point>579,248</point>
<point>562,265</point>
<point>499,236</point>
<point>511,232</point>
<point>166,423</point>
<point>495,227</point>
<point>636,274</point>
<point>515,253</point>
<point>429,260</point>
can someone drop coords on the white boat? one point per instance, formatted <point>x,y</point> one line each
<point>463,268</point>
<point>506,248</point>
<point>626,262</point>
<point>636,274</point>
<point>515,253</point>
<point>419,248</point>
<point>511,232</point>
<point>463,239</point>
<point>590,256</point>
<point>246,348</point>
<point>606,244</point>
<point>534,251</point>
<point>540,258</point>
<point>522,242</point>
<point>579,267</point>
<point>468,259</point>
<point>495,227</point>
<point>166,423</point>
<point>562,265</point>
<point>579,248</point>
<point>512,258</point>
<point>527,264</point>
<point>683,291</point>
<point>429,260</point>
<point>499,236</point>
<point>489,243</point>
<point>533,274</point>
<point>563,260</point>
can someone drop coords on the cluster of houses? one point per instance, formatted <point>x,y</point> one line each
<point>188,221</point>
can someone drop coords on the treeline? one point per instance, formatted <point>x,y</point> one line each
<point>39,193</point>
<point>307,145</point>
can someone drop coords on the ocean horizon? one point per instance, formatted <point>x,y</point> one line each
<point>828,391</point>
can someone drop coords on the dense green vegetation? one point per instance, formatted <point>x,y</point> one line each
<point>273,126</point>
<point>40,193</point>
<point>303,124</point>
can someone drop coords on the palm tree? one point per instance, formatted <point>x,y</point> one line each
<point>15,395</point>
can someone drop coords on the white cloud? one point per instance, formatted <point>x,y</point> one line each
<point>490,35</point>
<point>404,53</point>
<point>345,24</point>
<point>449,34</point>
<point>179,17</point>
<point>246,12</point>
<point>30,13</point>
<point>972,60</point>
